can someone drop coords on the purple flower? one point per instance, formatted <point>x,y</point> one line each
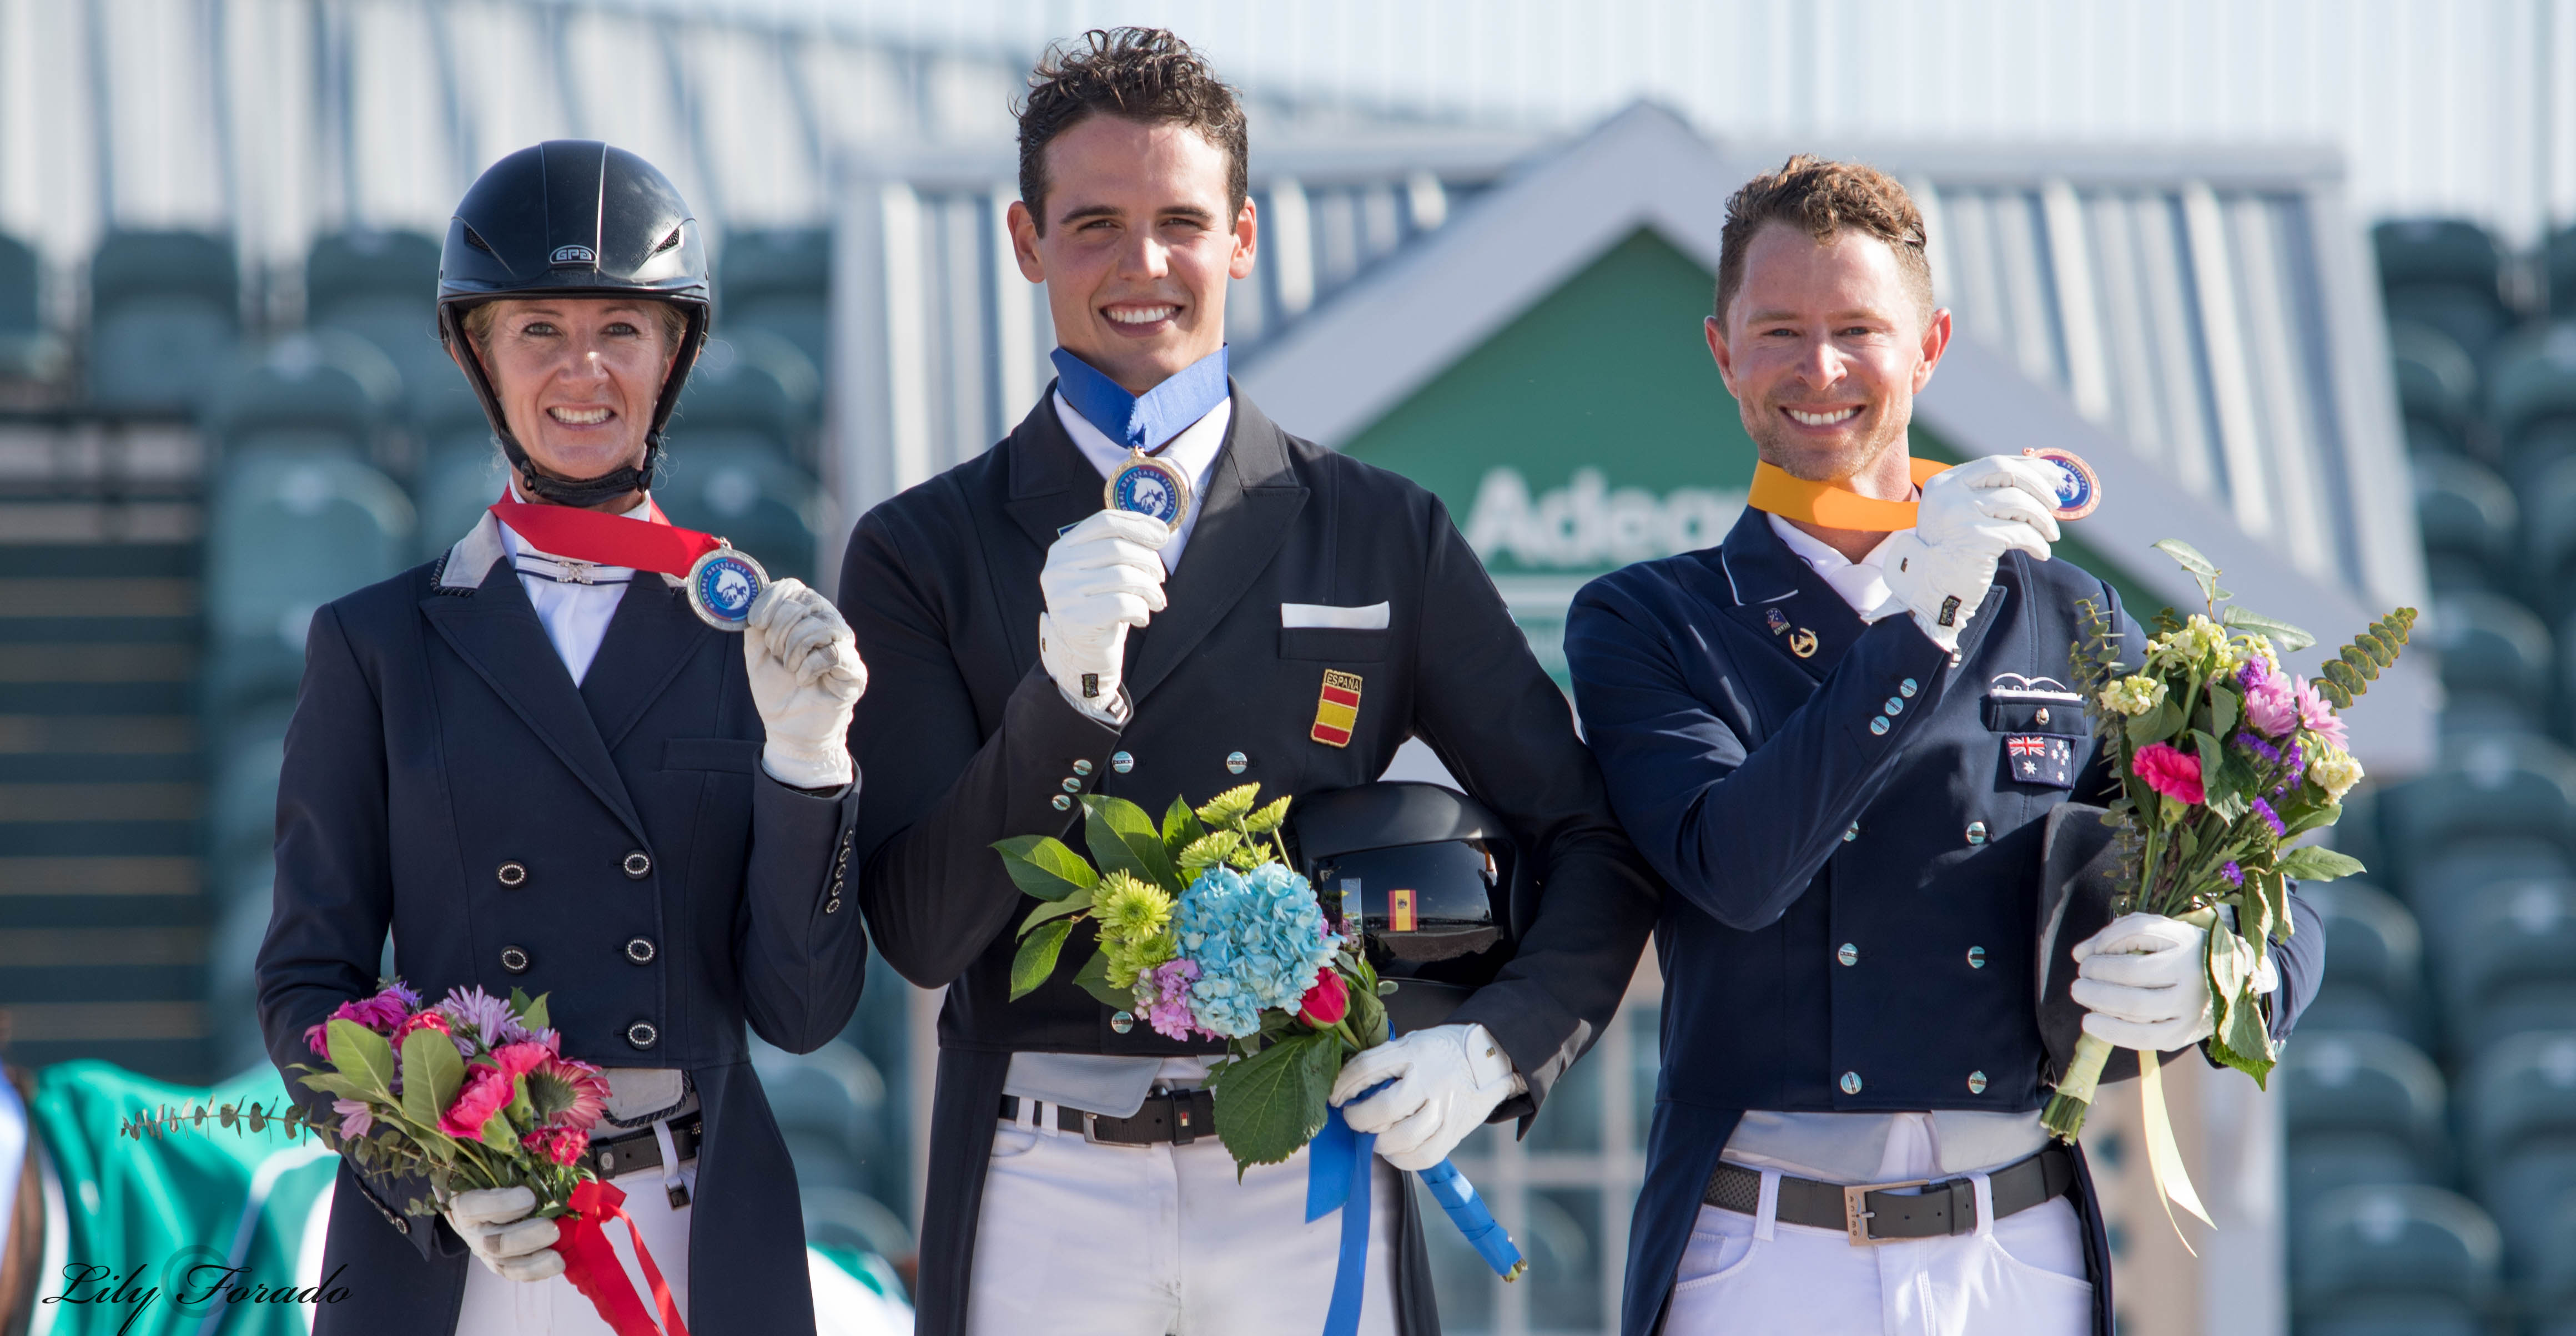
<point>2318,717</point>
<point>2258,746</point>
<point>1168,1011</point>
<point>2235,875</point>
<point>2270,818</point>
<point>2270,705</point>
<point>355,1117</point>
<point>479,1015</point>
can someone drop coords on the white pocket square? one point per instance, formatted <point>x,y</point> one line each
<point>1370,618</point>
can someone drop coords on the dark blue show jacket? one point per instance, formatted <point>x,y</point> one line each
<point>1852,841</point>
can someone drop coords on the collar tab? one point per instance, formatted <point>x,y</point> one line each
<point>1146,421</point>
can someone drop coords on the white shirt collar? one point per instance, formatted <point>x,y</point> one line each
<point>1194,450</point>
<point>1862,583</point>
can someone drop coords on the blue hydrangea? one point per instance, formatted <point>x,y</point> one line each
<point>1258,940</point>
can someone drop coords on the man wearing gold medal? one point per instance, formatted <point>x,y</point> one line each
<point>1838,736</point>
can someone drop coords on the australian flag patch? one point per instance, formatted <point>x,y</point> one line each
<point>2040,758</point>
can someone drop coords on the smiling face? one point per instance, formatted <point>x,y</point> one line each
<point>1825,346</point>
<point>577,378</point>
<point>1139,242</point>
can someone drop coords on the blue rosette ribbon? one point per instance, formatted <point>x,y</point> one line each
<point>1337,1179</point>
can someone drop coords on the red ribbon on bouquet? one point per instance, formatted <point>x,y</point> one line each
<point>592,1266</point>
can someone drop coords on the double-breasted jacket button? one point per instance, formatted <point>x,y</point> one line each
<point>642,1034</point>
<point>1976,1083</point>
<point>640,950</point>
<point>1895,706</point>
<point>1907,688</point>
<point>637,865</point>
<point>1236,763</point>
<point>1122,1021</point>
<point>1073,786</point>
<point>514,959</point>
<point>832,906</point>
<point>1061,803</point>
<point>1121,762</point>
<point>1976,832</point>
<point>1878,725</point>
<point>513,874</point>
<point>1851,1083</point>
<point>1082,767</point>
<point>1976,957</point>
<point>1849,954</point>
<point>1851,832</point>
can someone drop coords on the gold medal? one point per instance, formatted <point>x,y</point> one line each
<point>1149,486</point>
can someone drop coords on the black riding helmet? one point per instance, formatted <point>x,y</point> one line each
<point>1430,877</point>
<point>574,218</point>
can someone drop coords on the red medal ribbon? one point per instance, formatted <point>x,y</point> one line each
<point>591,1264</point>
<point>607,540</point>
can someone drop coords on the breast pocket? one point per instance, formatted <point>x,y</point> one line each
<point>2040,736</point>
<point>1333,643</point>
<point>736,755</point>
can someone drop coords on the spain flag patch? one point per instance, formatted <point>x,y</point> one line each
<point>1337,711</point>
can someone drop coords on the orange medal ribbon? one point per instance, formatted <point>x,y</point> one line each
<point>1832,504</point>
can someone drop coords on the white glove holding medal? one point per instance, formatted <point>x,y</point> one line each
<point>806,678</point>
<point>1447,1079</point>
<point>1102,576</point>
<point>505,1234</point>
<point>1969,517</point>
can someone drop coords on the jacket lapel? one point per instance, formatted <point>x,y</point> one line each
<point>1782,597</point>
<point>650,639</point>
<point>496,632</point>
<point>1252,497</point>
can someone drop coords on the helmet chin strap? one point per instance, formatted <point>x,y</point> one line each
<point>584,492</point>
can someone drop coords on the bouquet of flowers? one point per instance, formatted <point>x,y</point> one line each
<point>471,1093</point>
<point>2224,758</point>
<point>1205,931</point>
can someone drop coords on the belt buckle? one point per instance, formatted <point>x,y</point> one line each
<point>1091,1134</point>
<point>1856,1212</point>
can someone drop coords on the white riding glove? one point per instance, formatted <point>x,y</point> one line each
<point>1447,1079</point>
<point>1969,517</point>
<point>497,1224</point>
<point>1102,576</point>
<point>2144,983</point>
<point>806,678</point>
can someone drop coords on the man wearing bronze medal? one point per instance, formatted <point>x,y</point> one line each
<point>1840,736</point>
<point>1149,590</point>
<point>541,763</point>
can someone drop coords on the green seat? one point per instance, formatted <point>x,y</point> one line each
<point>165,315</point>
<point>382,287</point>
<point>2437,385</point>
<point>2390,1252</point>
<point>2318,1163</point>
<point>2531,394</point>
<point>2511,947</point>
<point>459,480</point>
<point>750,388</point>
<point>241,808</point>
<point>2518,1095</point>
<point>2558,258</point>
<point>2446,273</point>
<point>2546,554</point>
<point>28,350</point>
<point>327,392</point>
<point>2485,788</point>
<point>2374,962</point>
<point>286,533</point>
<point>778,280</point>
<point>2361,1088</point>
<point>2469,521</point>
<point>749,496</point>
<point>2492,646</point>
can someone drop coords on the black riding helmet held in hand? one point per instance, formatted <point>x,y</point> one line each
<point>573,218</point>
<point>1429,876</point>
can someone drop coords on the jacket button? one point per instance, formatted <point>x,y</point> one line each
<point>1907,688</point>
<point>1073,786</point>
<point>512,874</point>
<point>636,865</point>
<point>1895,706</point>
<point>1121,762</point>
<point>1082,767</point>
<point>832,906</point>
<point>1976,832</point>
<point>2042,716</point>
<point>1976,1083</point>
<point>1851,832</point>
<point>1878,725</point>
<point>640,950</point>
<point>642,1034</point>
<point>1851,1083</point>
<point>1849,955</point>
<point>1976,957</point>
<point>1236,763</point>
<point>1954,658</point>
<point>514,959</point>
<point>1062,803</point>
<point>1122,1021</point>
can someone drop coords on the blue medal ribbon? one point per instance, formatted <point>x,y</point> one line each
<point>1146,421</point>
<point>1337,1178</point>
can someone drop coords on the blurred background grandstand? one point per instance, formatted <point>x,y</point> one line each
<point>222,403</point>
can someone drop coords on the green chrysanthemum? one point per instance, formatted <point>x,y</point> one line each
<point>1131,910</point>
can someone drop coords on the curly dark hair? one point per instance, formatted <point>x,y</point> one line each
<point>1144,74</point>
<point>1822,197</point>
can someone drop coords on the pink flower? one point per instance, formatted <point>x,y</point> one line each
<point>424,1020</point>
<point>1327,1002</point>
<point>2270,706</point>
<point>562,1145</point>
<point>567,1093</point>
<point>1168,986</point>
<point>521,1058</point>
<point>485,1091</point>
<point>2318,717</point>
<point>317,1037</point>
<point>2170,771</point>
<point>355,1116</point>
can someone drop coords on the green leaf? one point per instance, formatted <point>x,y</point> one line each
<point>1122,837</point>
<point>2353,658</point>
<point>1180,827</point>
<point>363,1056</point>
<point>2241,1040</point>
<point>533,1015</point>
<point>1037,956</point>
<point>432,1073</point>
<point>333,1083</point>
<point>2224,708</point>
<point>2285,638</point>
<point>1273,1102</point>
<point>2189,558</point>
<point>1042,866</point>
<point>1093,978</point>
<point>2316,863</point>
<point>2300,818</point>
<point>2155,725</point>
<point>1076,903</point>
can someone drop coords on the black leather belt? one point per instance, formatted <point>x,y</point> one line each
<point>632,1151</point>
<point>1891,1212</point>
<point>1176,1116</point>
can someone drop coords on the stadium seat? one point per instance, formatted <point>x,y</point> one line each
<point>2469,521</point>
<point>241,811</point>
<point>749,496</point>
<point>2437,386</point>
<point>28,350</point>
<point>2314,1166</point>
<point>165,314</point>
<point>2445,273</point>
<point>2394,1258</point>
<point>2486,788</point>
<point>2359,1088</point>
<point>2531,394</point>
<point>2374,963</point>
<point>2506,961</point>
<point>779,281</point>
<point>751,388</point>
<point>834,1090</point>
<point>287,533</point>
<point>382,287</point>
<point>458,482</point>
<point>2491,646</point>
<point>327,392</point>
